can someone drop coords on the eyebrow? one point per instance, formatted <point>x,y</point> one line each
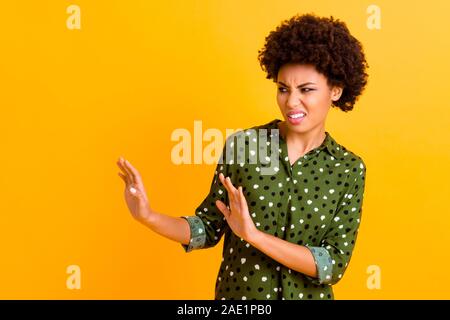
<point>303,84</point>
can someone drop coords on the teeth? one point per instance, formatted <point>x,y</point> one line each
<point>297,115</point>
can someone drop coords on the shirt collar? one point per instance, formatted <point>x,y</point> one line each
<point>329,144</point>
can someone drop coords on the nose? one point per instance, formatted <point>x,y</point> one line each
<point>293,100</point>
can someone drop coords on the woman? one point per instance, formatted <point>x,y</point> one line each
<point>289,234</point>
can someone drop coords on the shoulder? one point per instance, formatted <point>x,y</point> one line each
<point>253,132</point>
<point>353,162</point>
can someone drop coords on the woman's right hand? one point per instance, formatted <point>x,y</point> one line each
<point>135,194</point>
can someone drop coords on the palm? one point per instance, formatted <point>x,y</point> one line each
<point>137,201</point>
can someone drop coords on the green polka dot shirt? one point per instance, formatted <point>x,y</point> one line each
<point>315,202</point>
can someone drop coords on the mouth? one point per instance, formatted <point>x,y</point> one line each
<point>296,117</point>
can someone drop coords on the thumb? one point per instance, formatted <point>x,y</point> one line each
<point>223,208</point>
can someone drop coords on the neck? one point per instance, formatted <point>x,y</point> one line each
<point>303,142</point>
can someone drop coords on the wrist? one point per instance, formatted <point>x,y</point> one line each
<point>148,218</point>
<point>254,237</point>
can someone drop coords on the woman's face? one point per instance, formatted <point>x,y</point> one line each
<point>303,90</point>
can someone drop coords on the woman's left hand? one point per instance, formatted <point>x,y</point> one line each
<point>237,215</point>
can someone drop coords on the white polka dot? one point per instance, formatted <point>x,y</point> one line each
<point>220,191</point>
<point>231,250</point>
<point>200,230</point>
<point>268,296</point>
<point>257,266</point>
<point>331,191</point>
<point>261,198</point>
<point>300,295</point>
<point>257,169</point>
<point>321,295</point>
<point>252,152</point>
<point>245,279</point>
<point>280,184</point>
<point>306,190</point>
<point>244,298</point>
<point>243,260</point>
<point>231,273</point>
<point>270,204</point>
<point>255,186</point>
<point>309,201</point>
<point>292,226</point>
<point>264,279</point>
<point>292,208</point>
<point>322,218</point>
<point>301,220</point>
<point>316,209</point>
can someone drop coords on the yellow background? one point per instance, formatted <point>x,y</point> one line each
<point>73,101</point>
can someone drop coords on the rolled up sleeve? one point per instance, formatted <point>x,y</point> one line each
<point>335,251</point>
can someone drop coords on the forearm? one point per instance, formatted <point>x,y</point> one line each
<point>296,257</point>
<point>174,228</point>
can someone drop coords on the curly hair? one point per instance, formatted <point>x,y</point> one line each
<point>325,43</point>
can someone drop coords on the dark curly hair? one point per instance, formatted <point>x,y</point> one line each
<point>325,43</point>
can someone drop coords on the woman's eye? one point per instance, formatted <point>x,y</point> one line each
<point>281,89</point>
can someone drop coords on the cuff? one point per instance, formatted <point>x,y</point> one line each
<point>198,235</point>
<point>324,265</point>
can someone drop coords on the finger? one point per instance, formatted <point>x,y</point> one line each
<point>121,165</point>
<point>226,184</point>
<point>223,208</point>
<point>128,170</point>
<point>243,201</point>
<point>124,178</point>
<point>232,189</point>
<point>222,180</point>
<point>136,175</point>
<point>124,173</point>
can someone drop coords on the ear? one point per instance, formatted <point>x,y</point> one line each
<point>336,93</point>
